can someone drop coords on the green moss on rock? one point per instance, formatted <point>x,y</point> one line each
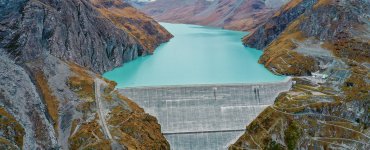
<point>12,131</point>
<point>292,135</point>
<point>272,145</point>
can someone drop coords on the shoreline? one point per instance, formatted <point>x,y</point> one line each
<point>287,79</point>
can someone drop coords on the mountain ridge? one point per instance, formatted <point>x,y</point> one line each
<point>324,45</point>
<point>52,53</point>
<point>229,14</point>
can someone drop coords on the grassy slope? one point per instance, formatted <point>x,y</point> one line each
<point>328,115</point>
<point>127,122</point>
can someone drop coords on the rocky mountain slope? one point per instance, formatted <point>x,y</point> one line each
<point>325,45</point>
<point>231,14</point>
<point>51,93</point>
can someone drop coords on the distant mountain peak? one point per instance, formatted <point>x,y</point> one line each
<point>229,14</point>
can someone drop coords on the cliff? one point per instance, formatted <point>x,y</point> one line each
<point>230,14</point>
<point>325,45</point>
<point>99,35</point>
<point>277,24</point>
<point>291,39</point>
<point>51,93</point>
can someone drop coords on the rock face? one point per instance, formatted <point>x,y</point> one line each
<point>51,95</point>
<point>99,35</point>
<point>329,109</point>
<point>269,31</point>
<point>230,14</point>
<point>343,31</point>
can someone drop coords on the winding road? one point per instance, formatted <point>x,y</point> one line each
<point>103,123</point>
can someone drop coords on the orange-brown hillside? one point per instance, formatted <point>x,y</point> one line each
<point>127,18</point>
<point>52,95</point>
<point>325,45</point>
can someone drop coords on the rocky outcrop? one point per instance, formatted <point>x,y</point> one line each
<point>51,95</point>
<point>230,14</point>
<point>312,39</point>
<point>327,49</point>
<point>269,31</point>
<point>311,116</point>
<point>99,35</point>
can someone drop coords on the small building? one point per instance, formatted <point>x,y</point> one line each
<point>319,75</point>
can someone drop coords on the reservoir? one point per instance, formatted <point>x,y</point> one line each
<point>196,55</point>
<point>203,86</point>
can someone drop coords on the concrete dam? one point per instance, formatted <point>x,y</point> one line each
<point>206,117</point>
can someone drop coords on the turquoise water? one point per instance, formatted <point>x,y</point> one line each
<point>196,55</point>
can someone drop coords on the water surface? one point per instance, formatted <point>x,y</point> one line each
<point>196,55</point>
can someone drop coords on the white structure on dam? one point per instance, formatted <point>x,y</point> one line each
<point>205,117</point>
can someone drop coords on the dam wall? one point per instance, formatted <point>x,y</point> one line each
<point>205,116</point>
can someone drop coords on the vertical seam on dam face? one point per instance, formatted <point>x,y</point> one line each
<point>205,117</point>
